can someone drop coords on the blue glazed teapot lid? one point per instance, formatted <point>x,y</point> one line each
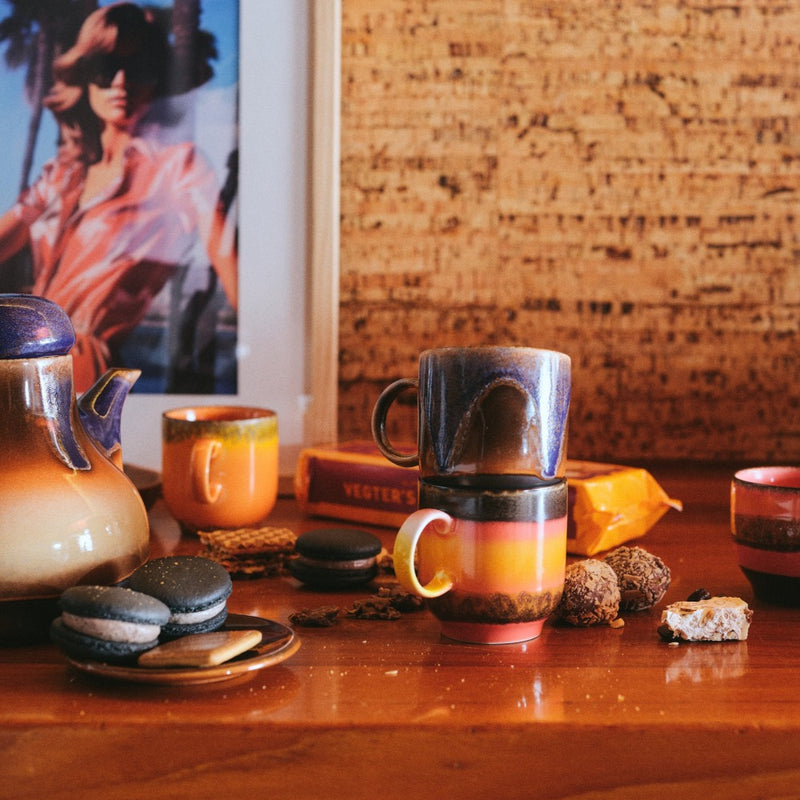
<point>32,326</point>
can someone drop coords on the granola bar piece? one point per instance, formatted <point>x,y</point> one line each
<point>715,619</point>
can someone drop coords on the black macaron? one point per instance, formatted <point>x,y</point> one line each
<point>194,588</point>
<point>335,558</point>
<point>107,623</point>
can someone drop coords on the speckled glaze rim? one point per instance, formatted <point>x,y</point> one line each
<point>220,420</point>
<point>498,348</point>
<point>539,503</point>
<point>767,478</point>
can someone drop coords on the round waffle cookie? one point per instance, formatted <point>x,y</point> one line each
<point>249,552</point>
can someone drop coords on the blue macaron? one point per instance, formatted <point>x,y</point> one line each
<point>195,589</point>
<point>107,623</point>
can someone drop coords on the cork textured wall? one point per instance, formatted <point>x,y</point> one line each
<point>614,180</point>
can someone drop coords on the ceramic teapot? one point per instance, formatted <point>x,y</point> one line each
<point>68,513</point>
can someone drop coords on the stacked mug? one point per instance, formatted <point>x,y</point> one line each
<point>487,545</point>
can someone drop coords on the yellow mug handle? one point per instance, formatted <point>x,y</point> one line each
<point>204,451</point>
<point>405,548</point>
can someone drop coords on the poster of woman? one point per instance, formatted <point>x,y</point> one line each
<point>119,197</point>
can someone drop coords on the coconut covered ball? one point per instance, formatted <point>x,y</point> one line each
<point>591,594</point>
<point>643,578</point>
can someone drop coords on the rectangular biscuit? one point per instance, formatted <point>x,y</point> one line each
<point>201,649</point>
<point>249,541</point>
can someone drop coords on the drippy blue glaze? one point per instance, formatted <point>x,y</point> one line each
<point>467,375</point>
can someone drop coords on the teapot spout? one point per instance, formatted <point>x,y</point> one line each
<point>100,409</point>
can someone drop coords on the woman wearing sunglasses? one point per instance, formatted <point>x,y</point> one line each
<point>113,214</point>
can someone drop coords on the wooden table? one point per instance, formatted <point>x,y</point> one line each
<point>384,709</point>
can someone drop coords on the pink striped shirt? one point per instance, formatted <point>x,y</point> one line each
<point>105,261</point>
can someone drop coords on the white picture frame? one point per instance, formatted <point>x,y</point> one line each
<point>288,232</point>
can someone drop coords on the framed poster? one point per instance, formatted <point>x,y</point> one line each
<point>289,235</point>
<point>273,102</point>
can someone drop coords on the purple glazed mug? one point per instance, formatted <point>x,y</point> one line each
<point>486,416</point>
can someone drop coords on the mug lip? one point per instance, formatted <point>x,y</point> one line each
<point>497,348</point>
<point>770,478</point>
<point>217,413</point>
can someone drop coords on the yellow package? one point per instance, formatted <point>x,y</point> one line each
<point>610,505</point>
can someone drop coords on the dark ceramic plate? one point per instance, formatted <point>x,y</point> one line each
<point>146,481</point>
<point>277,644</point>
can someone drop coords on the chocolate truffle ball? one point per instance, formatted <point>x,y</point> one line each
<point>643,578</point>
<point>591,594</point>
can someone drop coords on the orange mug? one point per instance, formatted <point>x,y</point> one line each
<point>219,465</point>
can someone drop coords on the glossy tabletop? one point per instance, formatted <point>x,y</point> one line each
<point>371,708</point>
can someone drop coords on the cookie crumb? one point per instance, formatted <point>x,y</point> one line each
<point>321,617</point>
<point>373,608</point>
<point>403,601</point>
<point>385,562</point>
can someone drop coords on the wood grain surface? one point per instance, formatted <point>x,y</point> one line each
<point>390,709</point>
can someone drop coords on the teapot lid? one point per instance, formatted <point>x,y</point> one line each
<point>32,326</point>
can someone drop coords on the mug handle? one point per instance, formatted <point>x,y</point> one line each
<point>204,451</point>
<point>379,413</point>
<point>405,548</point>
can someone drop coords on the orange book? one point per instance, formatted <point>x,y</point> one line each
<point>354,481</point>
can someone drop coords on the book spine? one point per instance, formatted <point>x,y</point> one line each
<point>355,489</point>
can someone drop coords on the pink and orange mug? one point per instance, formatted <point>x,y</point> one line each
<point>490,562</point>
<point>765,523</point>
